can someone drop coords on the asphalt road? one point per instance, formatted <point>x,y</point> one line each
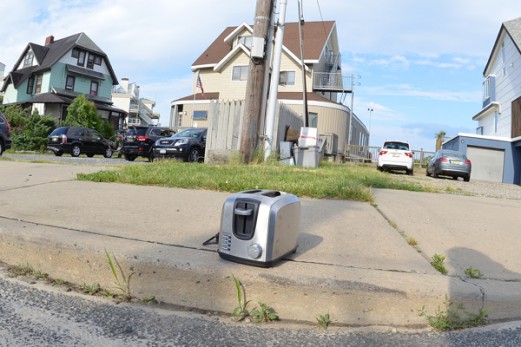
<point>33,313</point>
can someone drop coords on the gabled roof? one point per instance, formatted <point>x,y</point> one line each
<point>513,29</point>
<point>47,56</point>
<point>315,36</point>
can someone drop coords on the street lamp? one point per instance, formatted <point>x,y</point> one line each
<point>370,113</point>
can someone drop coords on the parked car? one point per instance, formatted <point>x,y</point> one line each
<point>396,155</point>
<point>139,141</point>
<point>188,144</point>
<point>449,163</point>
<point>5,134</point>
<point>77,140</point>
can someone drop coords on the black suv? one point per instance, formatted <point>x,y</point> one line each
<point>5,132</point>
<point>188,144</point>
<point>139,141</point>
<point>77,140</point>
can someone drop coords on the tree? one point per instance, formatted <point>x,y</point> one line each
<point>83,113</point>
<point>439,138</point>
<point>28,131</point>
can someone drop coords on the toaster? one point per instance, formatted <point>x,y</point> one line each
<point>259,227</point>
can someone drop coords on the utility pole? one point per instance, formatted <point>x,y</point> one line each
<point>274,82</point>
<point>253,99</point>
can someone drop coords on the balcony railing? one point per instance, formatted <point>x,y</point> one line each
<point>331,82</point>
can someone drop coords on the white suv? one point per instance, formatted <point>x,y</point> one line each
<point>396,155</point>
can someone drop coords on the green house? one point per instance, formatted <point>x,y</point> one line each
<point>48,78</point>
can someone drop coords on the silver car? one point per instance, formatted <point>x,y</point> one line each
<point>449,163</point>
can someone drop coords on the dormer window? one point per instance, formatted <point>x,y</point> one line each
<point>28,60</point>
<point>245,40</point>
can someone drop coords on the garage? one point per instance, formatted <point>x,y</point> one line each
<point>487,164</point>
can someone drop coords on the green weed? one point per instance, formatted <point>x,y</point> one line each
<point>147,299</point>
<point>473,273</point>
<point>452,318</point>
<point>264,313</point>
<point>438,262</point>
<point>241,311</point>
<point>122,280</point>
<point>91,289</point>
<point>324,321</point>
<point>26,270</point>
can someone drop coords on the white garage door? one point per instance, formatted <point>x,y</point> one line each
<point>487,164</point>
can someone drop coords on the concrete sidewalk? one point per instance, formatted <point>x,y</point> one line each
<point>350,261</point>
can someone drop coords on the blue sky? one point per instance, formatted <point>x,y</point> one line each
<point>420,62</point>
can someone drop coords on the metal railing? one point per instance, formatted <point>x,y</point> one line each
<point>330,81</point>
<point>369,154</point>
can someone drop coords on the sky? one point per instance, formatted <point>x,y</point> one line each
<point>420,63</point>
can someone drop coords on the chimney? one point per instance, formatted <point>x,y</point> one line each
<point>49,39</point>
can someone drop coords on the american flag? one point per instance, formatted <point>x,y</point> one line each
<point>199,84</point>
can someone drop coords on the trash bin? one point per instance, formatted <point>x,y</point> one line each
<point>307,156</point>
<point>259,227</point>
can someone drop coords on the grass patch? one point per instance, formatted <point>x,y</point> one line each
<point>26,270</point>
<point>330,180</point>
<point>454,318</point>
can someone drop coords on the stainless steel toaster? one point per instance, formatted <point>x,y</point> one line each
<point>259,227</point>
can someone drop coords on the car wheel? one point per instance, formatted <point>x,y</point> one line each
<point>193,155</point>
<point>108,152</point>
<point>379,168</point>
<point>434,173</point>
<point>455,178</point>
<point>130,157</point>
<point>427,172</point>
<point>410,172</point>
<point>151,157</point>
<point>76,151</point>
<point>90,155</point>
<point>466,178</point>
<point>1,148</point>
<point>58,153</point>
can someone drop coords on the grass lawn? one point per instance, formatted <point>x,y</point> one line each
<point>330,180</point>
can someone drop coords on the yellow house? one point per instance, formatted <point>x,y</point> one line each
<point>222,71</point>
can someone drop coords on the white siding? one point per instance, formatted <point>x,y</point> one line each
<point>508,87</point>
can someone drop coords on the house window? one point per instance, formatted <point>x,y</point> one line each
<point>200,115</point>
<point>69,84</point>
<point>312,119</point>
<point>30,85</point>
<point>39,79</point>
<point>287,78</point>
<point>90,61</point>
<point>93,59</point>
<point>81,58</point>
<point>245,40</point>
<point>94,88</point>
<point>28,60</point>
<point>486,89</point>
<point>240,73</point>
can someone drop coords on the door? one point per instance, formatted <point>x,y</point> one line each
<point>487,163</point>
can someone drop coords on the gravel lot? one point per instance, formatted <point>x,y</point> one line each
<point>473,187</point>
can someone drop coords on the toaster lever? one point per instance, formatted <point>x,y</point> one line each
<point>244,211</point>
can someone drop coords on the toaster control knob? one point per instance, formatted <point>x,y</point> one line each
<point>255,251</point>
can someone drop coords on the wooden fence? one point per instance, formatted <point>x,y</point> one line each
<point>224,129</point>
